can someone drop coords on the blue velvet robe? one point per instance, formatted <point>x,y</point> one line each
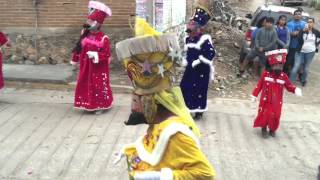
<point>195,81</point>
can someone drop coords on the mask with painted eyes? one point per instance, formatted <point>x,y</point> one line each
<point>94,26</point>
<point>91,25</point>
<point>91,10</point>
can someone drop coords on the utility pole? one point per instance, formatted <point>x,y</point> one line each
<point>36,12</point>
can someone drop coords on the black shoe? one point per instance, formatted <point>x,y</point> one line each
<point>272,134</point>
<point>198,116</point>
<point>304,84</point>
<point>300,77</point>
<point>264,132</point>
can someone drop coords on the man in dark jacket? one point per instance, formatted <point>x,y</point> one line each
<point>265,40</point>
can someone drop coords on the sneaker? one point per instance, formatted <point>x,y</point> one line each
<point>272,134</point>
<point>264,133</point>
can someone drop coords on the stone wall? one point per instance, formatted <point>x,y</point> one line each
<point>45,31</point>
<point>52,48</point>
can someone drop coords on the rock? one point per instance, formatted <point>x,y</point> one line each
<point>219,32</point>
<point>32,57</point>
<point>19,39</point>
<point>63,51</point>
<point>219,78</point>
<point>28,62</point>
<point>17,50</point>
<point>43,60</point>
<point>52,61</point>
<point>222,87</point>
<point>14,59</point>
<point>30,50</point>
<point>236,45</point>
<point>25,56</point>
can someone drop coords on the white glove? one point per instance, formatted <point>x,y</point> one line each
<point>298,92</point>
<point>196,63</point>
<point>93,55</point>
<point>253,99</point>
<point>184,62</point>
<point>73,63</point>
<point>148,175</point>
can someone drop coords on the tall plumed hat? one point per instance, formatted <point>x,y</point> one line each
<point>149,61</point>
<point>202,15</point>
<point>98,11</point>
<point>278,56</point>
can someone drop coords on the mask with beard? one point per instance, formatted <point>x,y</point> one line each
<point>136,118</point>
<point>94,26</point>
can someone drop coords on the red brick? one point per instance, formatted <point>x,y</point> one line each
<point>60,13</point>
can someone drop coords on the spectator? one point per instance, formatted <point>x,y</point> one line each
<point>260,24</point>
<point>283,33</point>
<point>265,40</point>
<point>307,47</point>
<point>294,26</point>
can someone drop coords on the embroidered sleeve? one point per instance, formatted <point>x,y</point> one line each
<point>207,52</point>
<point>258,88</point>
<point>190,162</point>
<point>104,53</point>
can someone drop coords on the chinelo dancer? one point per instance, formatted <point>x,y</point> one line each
<point>271,86</point>
<point>170,147</point>
<point>93,91</point>
<point>199,68</point>
<point>4,41</point>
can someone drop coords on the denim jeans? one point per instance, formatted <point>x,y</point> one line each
<point>301,59</point>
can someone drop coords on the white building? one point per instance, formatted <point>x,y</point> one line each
<point>162,14</point>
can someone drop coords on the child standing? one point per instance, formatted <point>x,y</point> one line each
<point>271,85</point>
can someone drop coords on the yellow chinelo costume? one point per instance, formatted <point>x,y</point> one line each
<point>170,149</point>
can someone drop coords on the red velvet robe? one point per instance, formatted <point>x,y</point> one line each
<point>3,40</point>
<point>271,87</point>
<point>93,91</point>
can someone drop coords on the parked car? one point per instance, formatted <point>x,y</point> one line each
<point>285,2</point>
<point>262,11</point>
